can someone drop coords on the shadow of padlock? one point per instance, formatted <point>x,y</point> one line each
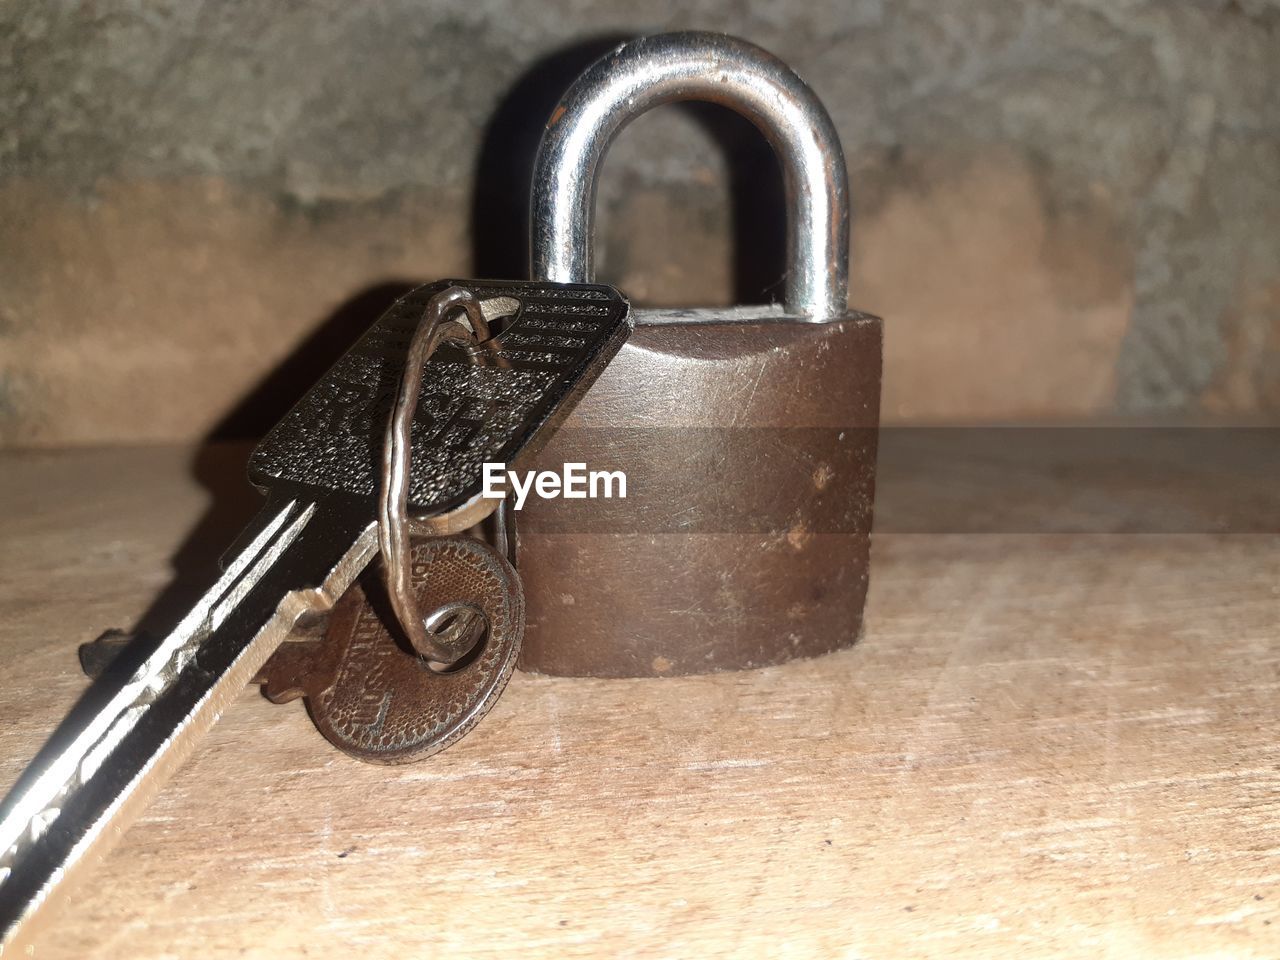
<point>747,434</point>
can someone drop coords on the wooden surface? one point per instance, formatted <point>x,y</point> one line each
<point>1045,746</point>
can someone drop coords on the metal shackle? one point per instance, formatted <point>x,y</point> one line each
<point>719,69</point>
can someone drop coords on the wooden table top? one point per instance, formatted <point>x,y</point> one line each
<point>1044,746</point>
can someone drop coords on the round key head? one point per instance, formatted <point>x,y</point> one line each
<point>374,697</point>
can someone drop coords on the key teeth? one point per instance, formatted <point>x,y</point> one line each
<point>98,656</point>
<point>284,693</point>
<point>284,676</point>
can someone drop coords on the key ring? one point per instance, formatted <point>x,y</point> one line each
<point>445,635</point>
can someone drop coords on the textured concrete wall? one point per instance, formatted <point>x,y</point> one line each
<point>1062,208</point>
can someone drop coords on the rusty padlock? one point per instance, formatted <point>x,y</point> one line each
<point>748,434</point>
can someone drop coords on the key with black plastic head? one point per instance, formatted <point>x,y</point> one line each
<point>320,468</point>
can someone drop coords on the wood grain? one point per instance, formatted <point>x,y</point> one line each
<point>1045,746</point>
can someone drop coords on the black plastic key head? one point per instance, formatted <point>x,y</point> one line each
<point>477,406</point>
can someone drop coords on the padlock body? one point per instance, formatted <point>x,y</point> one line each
<point>744,539</point>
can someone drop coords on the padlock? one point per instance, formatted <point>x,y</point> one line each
<point>748,434</point>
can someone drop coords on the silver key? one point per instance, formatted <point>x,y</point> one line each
<point>317,531</point>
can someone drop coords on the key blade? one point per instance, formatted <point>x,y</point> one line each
<point>104,763</point>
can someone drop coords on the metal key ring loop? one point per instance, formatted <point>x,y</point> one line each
<point>393,534</point>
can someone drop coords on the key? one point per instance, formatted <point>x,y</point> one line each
<point>372,695</point>
<point>316,532</point>
<point>367,691</point>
